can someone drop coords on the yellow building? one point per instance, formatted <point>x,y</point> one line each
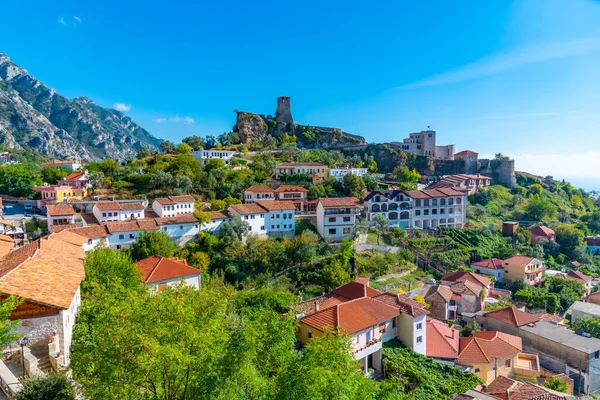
<point>60,193</point>
<point>317,172</point>
<point>527,269</point>
<point>492,354</point>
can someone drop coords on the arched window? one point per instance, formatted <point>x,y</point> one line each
<point>393,206</point>
<point>384,207</point>
<point>404,206</point>
<point>375,208</point>
<point>393,216</point>
<point>404,215</point>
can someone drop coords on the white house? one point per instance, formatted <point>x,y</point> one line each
<point>279,218</point>
<point>339,173</point>
<point>173,205</point>
<point>336,217</point>
<point>111,211</point>
<point>491,267</point>
<point>395,205</point>
<point>296,194</point>
<point>60,214</point>
<point>181,228</point>
<point>161,272</point>
<point>205,155</point>
<point>258,193</point>
<point>124,233</point>
<point>253,214</point>
<point>217,219</point>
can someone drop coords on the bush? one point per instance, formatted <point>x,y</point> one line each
<point>46,387</point>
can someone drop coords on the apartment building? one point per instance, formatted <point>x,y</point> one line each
<point>339,173</point>
<point>258,193</point>
<point>336,217</point>
<point>206,155</point>
<point>317,172</point>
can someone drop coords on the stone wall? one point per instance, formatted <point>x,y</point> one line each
<point>284,111</point>
<point>501,171</point>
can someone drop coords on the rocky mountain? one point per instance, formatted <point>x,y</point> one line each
<point>33,115</point>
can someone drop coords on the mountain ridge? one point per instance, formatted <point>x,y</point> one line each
<point>36,116</point>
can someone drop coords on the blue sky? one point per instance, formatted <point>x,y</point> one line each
<point>521,77</point>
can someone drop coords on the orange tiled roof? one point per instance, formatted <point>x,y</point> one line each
<point>259,189</point>
<point>486,347</point>
<point>519,260</point>
<point>442,340</point>
<point>512,316</point>
<point>354,290</point>
<point>542,230</point>
<point>277,205</point>
<point>579,275</point>
<point>352,316</point>
<point>432,193</point>
<point>177,219</point>
<point>74,176</point>
<point>333,202</point>
<point>92,232</point>
<point>405,304</point>
<point>219,215</point>
<point>6,245</point>
<point>461,276</point>
<point>157,268</point>
<point>494,263</point>
<point>174,199</point>
<point>439,290</point>
<point>59,209</point>
<point>132,206</point>
<point>466,287</point>
<point>59,228</point>
<point>465,153</point>
<point>70,237</point>
<point>247,209</point>
<point>290,188</point>
<point>47,271</point>
<point>113,205</point>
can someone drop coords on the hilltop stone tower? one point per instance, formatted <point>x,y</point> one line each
<point>284,112</point>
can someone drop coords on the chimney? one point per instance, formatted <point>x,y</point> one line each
<point>317,306</point>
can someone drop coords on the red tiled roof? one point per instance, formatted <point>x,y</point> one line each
<point>300,164</point>
<point>277,205</point>
<point>59,228</point>
<point>259,189</point>
<point>107,206</point>
<point>466,287</point>
<point>157,268</point>
<point>442,340</point>
<point>74,176</point>
<point>219,215</point>
<point>485,347</point>
<point>465,153</point>
<point>512,316</point>
<point>132,206</point>
<point>92,232</point>
<point>541,230</point>
<point>579,275</point>
<point>431,193</point>
<point>494,263</point>
<point>164,201</point>
<point>353,290</point>
<point>182,199</point>
<point>352,316</point>
<point>247,209</point>
<point>186,218</point>
<point>60,209</point>
<point>405,304</point>
<point>439,290</point>
<point>334,202</point>
<point>461,276</point>
<point>285,188</point>
<point>501,386</point>
<point>519,260</point>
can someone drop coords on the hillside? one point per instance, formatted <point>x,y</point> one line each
<point>35,116</point>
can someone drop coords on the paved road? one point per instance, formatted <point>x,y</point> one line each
<point>15,212</point>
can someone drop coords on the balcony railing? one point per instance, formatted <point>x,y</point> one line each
<point>366,350</point>
<point>342,211</point>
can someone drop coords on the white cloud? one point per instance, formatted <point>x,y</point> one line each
<point>510,60</point>
<point>62,21</point>
<point>176,119</point>
<point>76,18</point>
<point>122,106</point>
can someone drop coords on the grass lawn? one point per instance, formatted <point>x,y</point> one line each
<point>372,239</point>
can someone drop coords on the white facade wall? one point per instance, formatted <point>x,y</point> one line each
<point>214,225</point>
<point>172,210</point>
<point>95,243</point>
<point>412,332</point>
<point>256,223</point>
<point>334,224</point>
<point>192,281</point>
<point>251,197</point>
<point>339,173</point>
<point>117,215</point>
<point>444,211</point>
<point>61,219</point>
<point>204,155</point>
<point>122,240</point>
<point>398,210</point>
<point>181,233</point>
<point>497,273</point>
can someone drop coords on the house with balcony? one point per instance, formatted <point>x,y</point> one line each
<point>112,211</point>
<point>339,173</point>
<point>395,205</point>
<point>317,172</point>
<point>173,205</point>
<point>336,217</point>
<point>443,207</point>
<point>528,269</point>
<point>369,317</point>
<point>491,267</point>
<point>258,193</point>
<point>489,354</point>
<point>296,194</point>
<point>60,214</point>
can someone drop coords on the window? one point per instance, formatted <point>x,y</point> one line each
<point>442,211</point>
<point>425,212</point>
<point>394,323</point>
<point>346,219</point>
<point>245,217</point>
<point>262,228</point>
<point>451,210</point>
<point>131,236</point>
<point>507,363</point>
<point>347,231</point>
<point>121,237</point>
<point>355,339</point>
<point>118,247</point>
<point>382,328</point>
<point>284,226</point>
<point>426,203</point>
<point>272,226</point>
<point>332,219</point>
<point>597,355</point>
<point>477,370</point>
<point>434,202</point>
<point>290,215</point>
<point>417,212</point>
<point>309,334</point>
<point>252,217</point>
<point>419,326</point>
<point>419,339</point>
<point>104,214</point>
<point>90,242</point>
<point>332,231</point>
<point>434,212</point>
<point>277,226</point>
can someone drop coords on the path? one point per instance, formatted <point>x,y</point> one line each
<point>377,247</point>
<point>396,275</point>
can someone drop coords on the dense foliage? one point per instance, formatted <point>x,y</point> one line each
<point>590,325</point>
<point>46,387</point>
<point>556,294</point>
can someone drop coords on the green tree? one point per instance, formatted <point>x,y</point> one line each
<point>468,329</point>
<point>106,267</point>
<point>501,157</point>
<point>569,237</point>
<point>168,147</point>
<point>335,274</point>
<point>590,325</point>
<point>18,180</point>
<point>406,175</point>
<point>218,205</point>
<point>353,186</point>
<point>536,189</point>
<point>195,142</point>
<point>154,243</point>
<point>46,387</point>
<point>382,224</point>
<point>557,384</point>
<point>538,208</point>
<point>184,148</point>
<point>51,175</point>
